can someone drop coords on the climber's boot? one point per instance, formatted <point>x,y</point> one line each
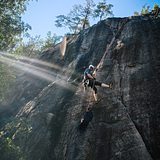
<point>110,86</point>
<point>97,101</point>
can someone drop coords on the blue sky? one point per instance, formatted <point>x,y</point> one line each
<point>41,15</point>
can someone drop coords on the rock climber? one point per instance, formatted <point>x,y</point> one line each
<point>86,119</point>
<point>90,81</point>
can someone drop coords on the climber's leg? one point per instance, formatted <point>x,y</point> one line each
<point>104,85</point>
<point>95,97</point>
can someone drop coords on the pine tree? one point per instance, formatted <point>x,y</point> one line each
<point>103,10</point>
<point>78,18</point>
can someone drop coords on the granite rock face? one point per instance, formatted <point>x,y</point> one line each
<point>125,123</point>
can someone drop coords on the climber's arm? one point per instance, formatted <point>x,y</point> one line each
<point>89,76</point>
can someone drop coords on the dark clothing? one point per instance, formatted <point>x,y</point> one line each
<point>88,116</point>
<point>86,119</point>
<point>92,82</point>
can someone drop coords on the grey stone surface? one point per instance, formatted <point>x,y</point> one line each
<point>125,123</point>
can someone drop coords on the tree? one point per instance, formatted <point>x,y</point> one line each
<point>68,21</point>
<point>11,22</point>
<point>32,48</point>
<point>156,7</point>
<point>86,12</point>
<point>9,150</point>
<point>147,10</point>
<point>13,138</point>
<point>50,40</point>
<point>78,18</point>
<point>35,45</point>
<point>6,78</point>
<point>136,13</point>
<point>144,9</point>
<point>103,10</point>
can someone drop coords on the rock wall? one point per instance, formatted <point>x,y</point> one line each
<point>126,122</point>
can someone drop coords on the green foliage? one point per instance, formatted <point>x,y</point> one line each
<point>8,150</point>
<point>50,40</point>
<point>68,21</point>
<point>18,129</point>
<point>35,45</point>
<point>136,13</point>
<point>103,10</point>
<point>12,138</point>
<point>78,18</point>
<point>11,23</point>
<point>145,10</point>
<point>32,48</point>
<point>6,78</point>
<point>87,12</point>
<point>156,7</point>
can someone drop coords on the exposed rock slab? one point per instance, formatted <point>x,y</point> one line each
<point>126,121</point>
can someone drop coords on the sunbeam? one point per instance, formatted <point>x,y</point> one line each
<point>36,61</point>
<point>60,77</point>
<point>30,60</point>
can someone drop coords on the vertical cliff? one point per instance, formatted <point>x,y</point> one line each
<point>126,122</point>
